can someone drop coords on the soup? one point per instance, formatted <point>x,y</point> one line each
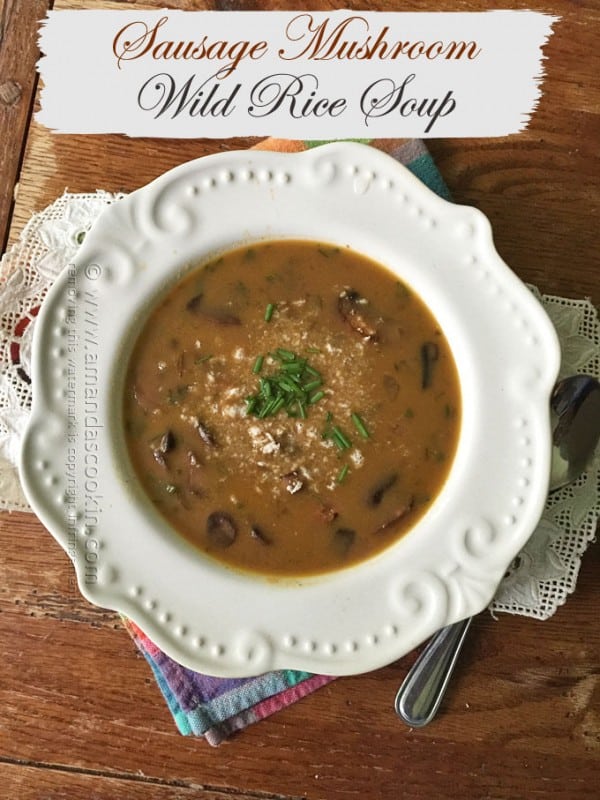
<point>291,408</point>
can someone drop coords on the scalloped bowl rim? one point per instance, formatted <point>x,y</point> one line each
<point>228,623</point>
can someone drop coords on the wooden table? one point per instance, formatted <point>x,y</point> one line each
<point>80,714</point>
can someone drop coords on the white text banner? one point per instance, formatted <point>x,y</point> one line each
<point>297,75</point>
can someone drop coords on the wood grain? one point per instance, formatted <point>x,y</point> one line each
<point>540,189</point>
<point>18,55</point>
<point>35,781</point>
<point>81,713</point>
<point>523,707</point>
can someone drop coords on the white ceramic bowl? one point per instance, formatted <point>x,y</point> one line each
<point>78,478</point>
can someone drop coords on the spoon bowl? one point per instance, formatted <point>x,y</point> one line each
<point>575,407</point>
<point>575,402</point>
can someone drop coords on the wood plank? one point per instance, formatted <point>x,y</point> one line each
<point>540,189</point>
<point>18,55</point>
<point>32,782</point>
<point>541,200</point>
<point>81,711</point>
<point>527,692</point>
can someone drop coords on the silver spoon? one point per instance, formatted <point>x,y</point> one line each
<point>575,404</point>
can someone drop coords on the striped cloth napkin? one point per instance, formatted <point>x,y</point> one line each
<point>216,708</point>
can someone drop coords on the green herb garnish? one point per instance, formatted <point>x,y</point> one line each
<point>289,388</point>
<point>269,312</point>
<point>258,364</point>
<point>340,438</point>
<point>342,473</point>
<point>285,355</point>
<point>308,387</point>
<point>359,425</point>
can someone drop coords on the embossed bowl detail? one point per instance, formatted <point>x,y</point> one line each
<point>78,478</point>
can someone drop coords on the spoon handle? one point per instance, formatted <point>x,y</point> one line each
<point>421,693</point>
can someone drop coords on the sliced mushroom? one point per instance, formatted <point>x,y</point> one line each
<point>218,315</point>
<point>161,445</point>
<point>193,304</point>
<point>343,539</point>
<point>397,517</point>
<point>221,529</point>
<point>258,535</point>
<point>221,316</point>
<point>429,355</point>
<point>378,492</point>
<point>204,433</point>
<point>353,310</point>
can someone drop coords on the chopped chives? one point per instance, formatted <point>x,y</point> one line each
<point>308,387</point>
<point>342,473</point>
<point>312,371</point>
<point>258,364</point>
<point>265,388</point>
<point>293,366</point>
<point>269,312</point>
<point>266,409</point>
<point>337,441</point>
<point>202,359</point>
<point>279,402</point>
<point>289,388</point>
<point>286,384</point>
<point>359,425</point>
<point>285,355</point>
<point>292,380</point>
<point>340,438</point>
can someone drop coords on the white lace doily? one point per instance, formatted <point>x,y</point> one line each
<point>537,582</point>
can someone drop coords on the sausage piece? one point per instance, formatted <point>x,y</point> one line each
<point>352,308</point>
<point>378,492</point>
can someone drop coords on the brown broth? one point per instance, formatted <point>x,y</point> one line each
<point>312,492</point>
